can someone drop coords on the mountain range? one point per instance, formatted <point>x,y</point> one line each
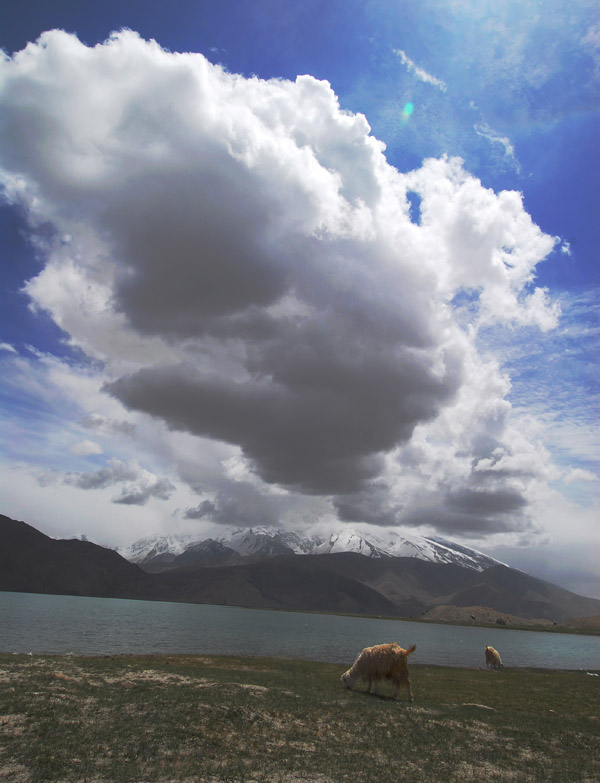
<point>263,568</point>
<point>171,551</point>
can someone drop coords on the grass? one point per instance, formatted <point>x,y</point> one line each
<point>217,719</point>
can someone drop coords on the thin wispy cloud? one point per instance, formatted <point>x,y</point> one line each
<point>483,129</point>
<point>591,43</point>
<point>420,73</point>
<point>554,382</point>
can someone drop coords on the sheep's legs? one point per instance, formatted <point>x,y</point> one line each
<point>375,687</point>
<point>410,693</point>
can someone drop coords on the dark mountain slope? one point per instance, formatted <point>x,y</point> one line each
<point>515,592</point>
<point>208,552</point>
<point>32,562</point>
<point>415,585</point>
<point>289,582</point>
<point>348,582</point>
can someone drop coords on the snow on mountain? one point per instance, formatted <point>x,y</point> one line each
<point>152,546</point>
<point>461,555</point>
<point>264,542</point>
<point>349,540</point>
<point>437,550</point>
<point>258,541</point>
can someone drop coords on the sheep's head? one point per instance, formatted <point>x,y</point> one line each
<point>347,679</point>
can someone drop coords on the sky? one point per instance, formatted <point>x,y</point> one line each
<point>304,265</point>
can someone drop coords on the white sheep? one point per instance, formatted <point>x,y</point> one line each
<point>381,662</point>
<point>493,659</point>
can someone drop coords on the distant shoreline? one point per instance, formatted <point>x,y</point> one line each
<point>541,626</point>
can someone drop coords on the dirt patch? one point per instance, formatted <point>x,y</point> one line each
<point>486,771</point>
<point>252,688</point>
<point>481,615</point>
<point>12,725</point>
<point>14,773</point>
<point>479,706</point>
<point>588,624</point>
<point>151,676</point>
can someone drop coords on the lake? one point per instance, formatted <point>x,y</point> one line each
<point>108,626</point>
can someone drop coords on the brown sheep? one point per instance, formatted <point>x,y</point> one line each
<point>384,661</point>
<point>493,659</point>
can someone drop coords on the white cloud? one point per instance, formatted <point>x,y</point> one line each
<point>242,265</point>
<point>484,130</point>
<point>8,347</point>
<point>86,448</point>
<point>579,474</point>
<point>566,248</point>
<point>421,74</point>
<point>591,44</point>
<point>63,510</point>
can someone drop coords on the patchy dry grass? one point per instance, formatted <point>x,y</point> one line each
<point>186,718</point>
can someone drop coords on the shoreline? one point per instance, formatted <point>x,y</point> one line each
<point>537,625</point>
<point>181,657</point>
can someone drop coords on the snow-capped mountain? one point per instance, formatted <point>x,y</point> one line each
<point>261,542</point>
<point>170,546</point>
<point>435,550</point>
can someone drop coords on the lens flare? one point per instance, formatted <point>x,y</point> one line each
<point>408,110</point>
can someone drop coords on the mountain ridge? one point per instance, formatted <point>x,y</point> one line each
<point>337,582</point>
<point>171,551</point>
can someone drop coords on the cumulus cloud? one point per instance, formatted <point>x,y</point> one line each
<point>86,448</point>
<point>115,472</point>
<point>240,256</point>
<point>139,485</point>
<point>140,495</point>
<point>240,504</point>
<point>102,424</point>
<point>580,474</point>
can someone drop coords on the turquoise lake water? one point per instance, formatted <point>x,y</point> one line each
<point>107,626</point>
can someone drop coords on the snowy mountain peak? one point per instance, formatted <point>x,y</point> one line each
<point>349,540</point>
<point>267,542</point>
<point>152,546</point>
<point>257,541</point>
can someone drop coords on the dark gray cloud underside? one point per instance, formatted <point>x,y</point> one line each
<point>323,435</point>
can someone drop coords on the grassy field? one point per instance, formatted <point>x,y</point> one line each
<point>213,719</point>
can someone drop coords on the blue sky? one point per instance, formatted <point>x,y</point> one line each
<point>366,296</point>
